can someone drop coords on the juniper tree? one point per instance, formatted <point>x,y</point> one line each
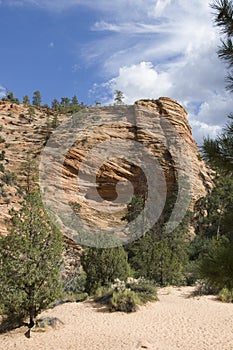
<point>55,104</point>
<point>30,261</point>
<point>103,265</point>
<point>26,100</point>
<point>36,99</point>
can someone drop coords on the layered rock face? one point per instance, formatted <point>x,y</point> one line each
<point>105,155</point>
<point>95,162</point>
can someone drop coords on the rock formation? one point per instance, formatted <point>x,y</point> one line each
<point>157,127</point>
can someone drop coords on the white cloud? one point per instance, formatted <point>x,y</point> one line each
<point>141,81</point>
<point>152,48</point>
<point>175,56</point>
<point>3,91</point>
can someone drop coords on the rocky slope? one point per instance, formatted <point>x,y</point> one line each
<point>117,151</point>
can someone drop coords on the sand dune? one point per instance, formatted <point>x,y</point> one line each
<point>177,321</point>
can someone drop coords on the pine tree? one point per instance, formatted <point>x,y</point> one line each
<point>55,104</point>
<point>36,99</point>
<point>224,20</point>
<point>219,152</point>
<point>26,100</point>
<point>10,97</point>
<point>30,261</point>
<point>74,100</point>
<point>119,97</point>
<point>65,101</point>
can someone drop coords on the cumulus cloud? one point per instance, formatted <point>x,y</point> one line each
<point>175,56</point>
<point>141,81</point>
<point>152,48</point>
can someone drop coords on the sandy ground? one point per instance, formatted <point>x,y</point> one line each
<point>177,321</point>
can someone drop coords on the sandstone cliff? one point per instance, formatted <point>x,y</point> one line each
<point>160,127</point>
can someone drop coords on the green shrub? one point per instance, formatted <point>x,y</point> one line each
<point>125,296</point>
<point>125,301</point>
<point>9,178</point>
<point>2,169</point>
<point>145,290</point>
<point>2,155</point>
<point>226,295</point>
<point>216,266</point>
<point>203,287</point>
<point>103,266</point>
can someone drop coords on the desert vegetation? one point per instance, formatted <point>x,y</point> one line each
<point>121,278</point>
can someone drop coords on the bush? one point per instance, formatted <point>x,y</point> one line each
<point>226,295</point>
<point>125,301</point>
<point>204,288</point>
<point>2,140</point>
<point>103,265</point>
<point>216,267</point>
<point>2,155</point>
<point>145,290</point>
<point>9,178</point>
<point>125,296</point>
<point>2,169</point>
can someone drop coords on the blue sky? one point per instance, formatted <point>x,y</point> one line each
<point>145,48</point>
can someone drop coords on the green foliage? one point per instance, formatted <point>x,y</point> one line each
<point>10,97</point>
<point>219,152</point>
<point>55,104</point>
<point>215,210</point>
<point>26,100</point>
<point>224,19</point>
<point>226,295</point>
<point>29,170</point>
<point>216,266</point>
<point>2,155</point>
<point>159,255</point>
<point>74,101</point>
<point>9,178</point>
<point>119,97</point>
<point>36,99</point>
<point>55,122</point>
<point>30,260</point>
<point>125,296</point>
<point>145,290</point>
<point>65,101</point>
<point>214,241</point>
<point>2,169</point>
<point>103,265</point>
<point>31,113</point>
<point>75,206</point>
<point>125,301</point>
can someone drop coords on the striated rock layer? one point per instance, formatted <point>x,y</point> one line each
<point>117,151</point>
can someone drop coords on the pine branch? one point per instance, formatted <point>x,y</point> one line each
<point>224,15</point>
<point>229,80</point>
<point>226,52</point>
